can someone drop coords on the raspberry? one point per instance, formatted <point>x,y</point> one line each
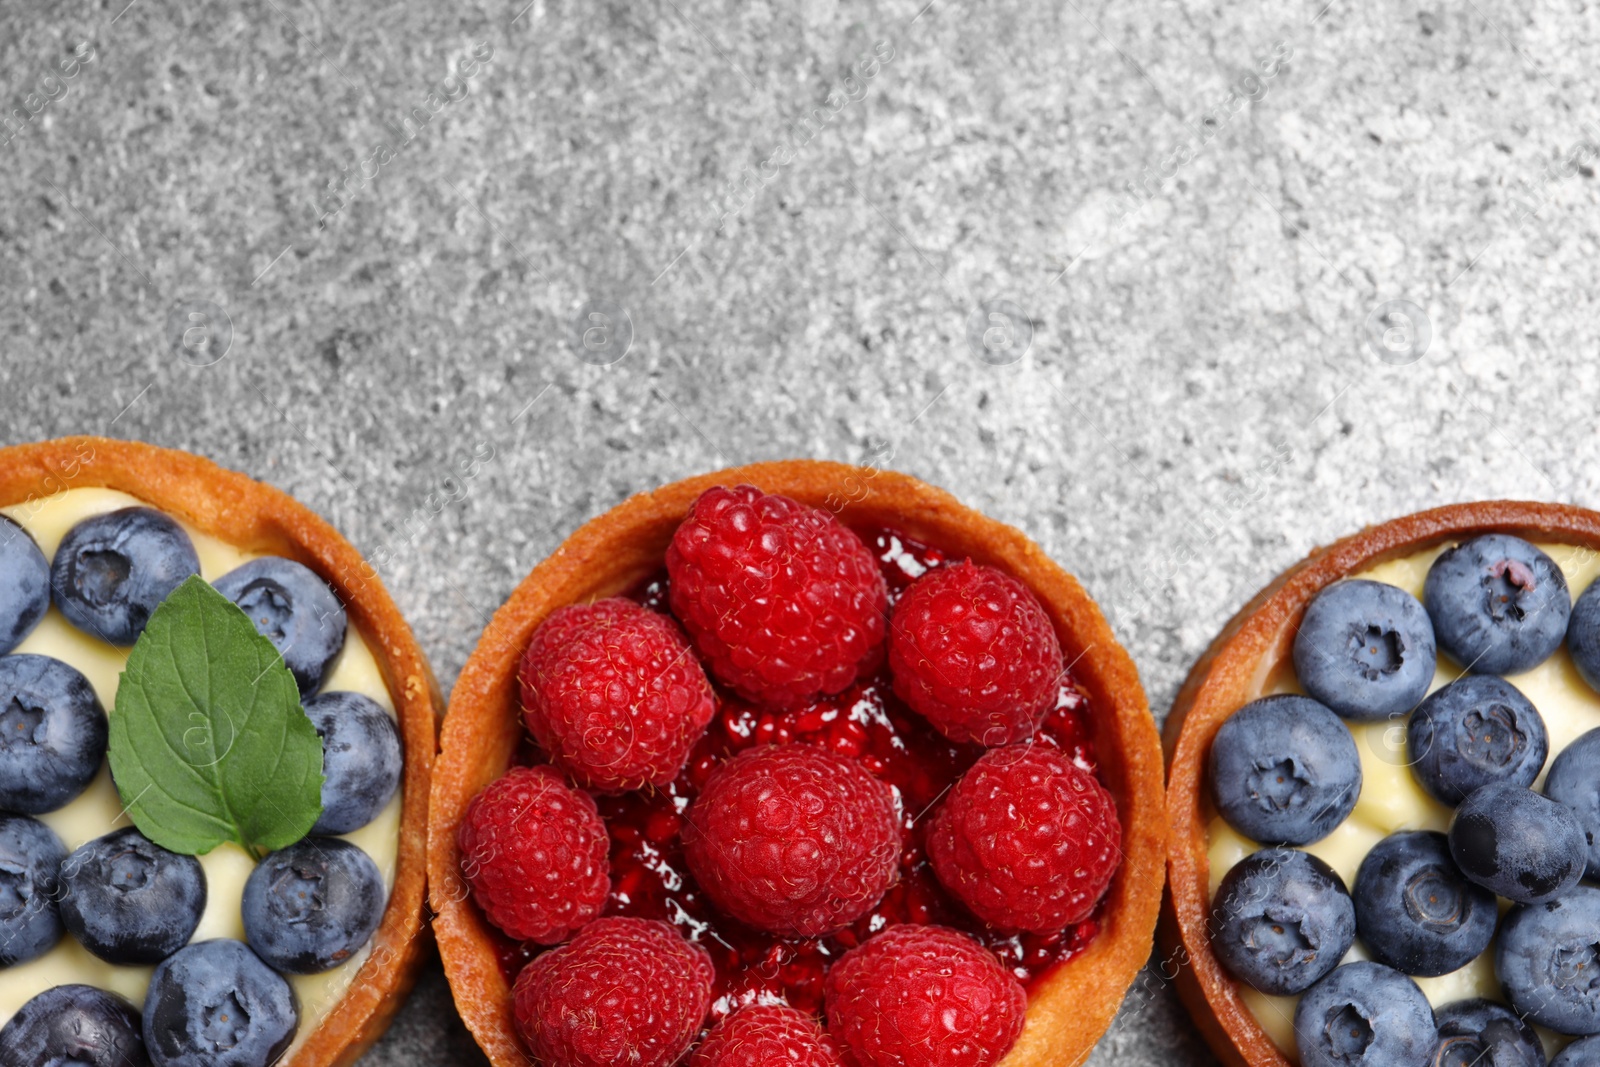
<point>1026,840</point>
<point>927,995</point>
<point>783,601</point>
<point>625,991</point>
<point>793,840</point>
<point>533,849</point>
<point>612,693</point>
<point>767,1036</point>
<point>973,653</point>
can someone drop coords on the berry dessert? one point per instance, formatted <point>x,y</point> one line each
<point>1385,795</point>
<point>786,765</point>
<point>215,739</point>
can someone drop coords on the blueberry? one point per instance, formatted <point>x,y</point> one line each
<point>1365,649</point>
<point>74,1026</point>
<point>24,584</point>
<point>215,1004</point>
<point>1574,780</point>
<point>1517,843</point>
<point>1281,920</point>
<point>1284,770</point>
<point>128,900</point>
<point>360,760</point>
<point>1548,961</point>
<point>1582,1053</point>
<point>1364,1015</point>
<point>311,906</point>
<point>52,733</point>
<point>1416,911</point>
<point>30,860</point>
<point>294,609</point>
<point>1583,635</point>
<point>1475,731</point>
<point>112,570</point>
<point>1482,1033</point>
<point>1499,605</point>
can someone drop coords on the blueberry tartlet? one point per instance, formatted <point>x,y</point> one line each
<point>216,733</point>
<point>736,772</point>
<point>1384,791</point>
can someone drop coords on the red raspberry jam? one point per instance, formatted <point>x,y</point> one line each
<point>650,879</point>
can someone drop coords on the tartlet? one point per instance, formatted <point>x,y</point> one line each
<point>1071,1006</point>
<point>1239,666</point>
<point>254,517</point>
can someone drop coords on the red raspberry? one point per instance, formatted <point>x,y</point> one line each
<point>924,995</point>
<point>768,1036</point>
<point>972,652</point>
<point>625,991</point>
<point>793,840</point>
<point>612,693</point>
<point>534,850</point>
<point>783,601</point>
<point>1027,840</point>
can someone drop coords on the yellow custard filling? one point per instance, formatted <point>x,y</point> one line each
<point>1391,800</point>
<point>99,809</point>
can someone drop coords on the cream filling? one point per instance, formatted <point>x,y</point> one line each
<point>99,809</point>
<point>1391,800</point>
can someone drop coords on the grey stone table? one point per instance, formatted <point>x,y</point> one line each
<point>1182,288</point>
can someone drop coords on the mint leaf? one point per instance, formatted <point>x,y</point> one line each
<point>209,742</point>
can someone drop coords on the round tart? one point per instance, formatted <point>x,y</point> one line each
<point>1255,657</point>
<point>223,519</point>
<point>1072,1000</point>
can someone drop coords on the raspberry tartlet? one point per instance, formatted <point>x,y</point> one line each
<point>797,826</point>
<point>1382,791</point>
<point>289,936</point>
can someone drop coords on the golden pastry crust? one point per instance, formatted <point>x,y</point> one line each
<point>1070,1009</point>
<point>1230,674</point>
<point>256,517</point>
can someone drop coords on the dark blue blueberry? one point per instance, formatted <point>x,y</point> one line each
<point>30,861</point>
<point>52,733</point>
<point>215,1004</point>
<point>112,570</point>
<point>74,1026</point>
<point>1517,843</point>
<point>1473,732</point>
<point>311,906</point>
<point>1547,958</point>
<point>1499,605</point>
<point>1416,911</point>
<point>361,760</point>
<point>1581,1053</point>
<point>1364,1015</point>
<point>1281,919</point>
<point>128,900</point>
<point>1583,635</point>
<point>24,584</point>
<point>1483,1033</point>
<point>1574,780</point>
<point>1365,649</point>
<point>292,608</point>
<point>1284,770</point>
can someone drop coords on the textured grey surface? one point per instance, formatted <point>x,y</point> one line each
<point>1206,211</point>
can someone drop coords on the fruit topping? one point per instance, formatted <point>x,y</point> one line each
<point>783,602</point>
<point>1476,731</point>
<point>1281,919</point>
<point>1416,911</point>
<point>309,907</point>
<point>767,1035</point>
<point>1026,839</point>
<point>361,759</point>
<point>1365,649</point>
<point>1583,637</point>
<point>294,609</point>
<point>793,840</point>
<point>925,995</point>
<point>1483,1033</point>
<point>611,691</point>
<point>533,850</point>
<point>1574,782</point>
<point>1581,1053</point>
<point>1517,843</point>
<point>24,584</point>
<point>1284,770</point>
<point>1364,1015</point>
<point>128,900</point>
<point>74,1026</point>
<point>974,653</point>
<point>112,570</point>
<point>1548,960</point>
<point>1499,604</point>
<point>30,860</point>
<point>215,1004</point>
<point>52,734</point>
<point>624,991</point>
